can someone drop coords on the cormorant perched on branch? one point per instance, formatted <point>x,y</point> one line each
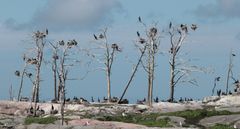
<point>139,19</point>
<point>170,25</point>
<point>95,37</point>
<point>17,73</point>
<point>101,36</point>
<point>46,31</point>
<point>61,43</point>
<point>138,34</point>
<point>184,28</point>
<point>194,27</point>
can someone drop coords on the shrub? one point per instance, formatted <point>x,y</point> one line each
<point>40,120</point>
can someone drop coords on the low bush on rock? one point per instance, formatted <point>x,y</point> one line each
<point>196,115</point>
<point>40,120</point>
<point>221,126</point>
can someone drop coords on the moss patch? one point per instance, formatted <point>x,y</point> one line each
<point>194,116</point>
<point>39,120</point>
<point>221,126</point>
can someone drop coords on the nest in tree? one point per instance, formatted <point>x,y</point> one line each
<point>72,43</point>
<point>32,61</point>
<point>101,36</point>
<point>39,35</point>
<point>115,46</point>
<point>61,43</point>
<point>184,28</point>
<point>142,40</point>
<point>153,32</point>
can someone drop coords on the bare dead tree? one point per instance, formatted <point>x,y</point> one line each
<point>177,37</point>
<point>10,91</point>
<point>36,61</point>
<point>40,42</point>
<point>229,73</point>
<point>142,48</point>
<point>109,54</point>
<point>152,47</point>
<point>17,73</point>
<point>63,70</point>
<point>55,57</point>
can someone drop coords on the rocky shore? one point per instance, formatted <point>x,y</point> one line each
<point>99,115</point>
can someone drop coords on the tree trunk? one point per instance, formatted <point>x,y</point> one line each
<point>33,93</point>
<point>172,79</point>
<point>37,83</point>
<point>229,71</point>
<point>108,85</point>
<point>133,74</point>
<point>62,102</point>
<point>21,82</point>
<point>54,68</point>
<point>150,74</point>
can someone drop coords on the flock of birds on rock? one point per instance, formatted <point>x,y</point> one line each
<point>40,112</point>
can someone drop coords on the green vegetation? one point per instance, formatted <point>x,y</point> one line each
<point>40,120</point>
<point>147,120</point>
<point>193,116</point>
<point>221,126</point>
<point>152,119</point>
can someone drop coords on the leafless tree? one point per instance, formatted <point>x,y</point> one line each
<point>63,69</point>
<point>11,93</point>
<point>152,39</point>
<point>109,54</point>
<point>55,57</point>
<point>22,74</point>
<point>142,46</point>
<point>39,38</point>
<point>229,72</point>
<point>18,73</point>
<point>178,70</point>
<point>35,59</point>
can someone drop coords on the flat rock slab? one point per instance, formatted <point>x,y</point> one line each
<point>223,119</point>
<point>228,108</point>
<point>175,121</point>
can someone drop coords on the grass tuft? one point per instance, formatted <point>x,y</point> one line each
<point>39,120</point>
<point>221,126</point>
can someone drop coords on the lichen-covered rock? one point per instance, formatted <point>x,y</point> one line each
<point>223,119</point>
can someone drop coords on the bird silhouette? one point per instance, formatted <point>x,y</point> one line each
<point>139,19</point>
<point>138,34</point>
<point>17,73</point>
<point>95,37</point>
<point>194,27</point>
<point>52,107</point>
<point>101,36</point>
<point>61,43</point>
<point>170,25</point>
<point>46,31</point>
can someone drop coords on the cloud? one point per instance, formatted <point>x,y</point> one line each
<point>220,10</point>
<point>72,14</point>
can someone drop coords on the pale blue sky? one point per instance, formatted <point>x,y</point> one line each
<point>209,46</point>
